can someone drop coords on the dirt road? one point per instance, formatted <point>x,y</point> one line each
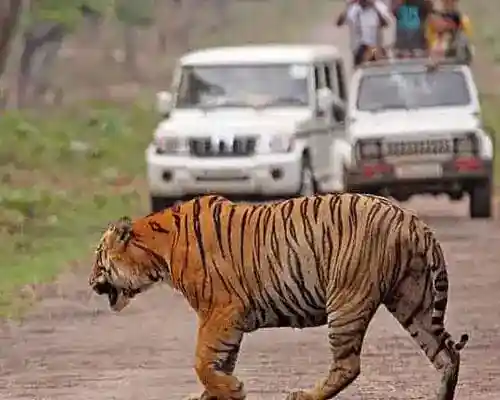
<point>73,348</point>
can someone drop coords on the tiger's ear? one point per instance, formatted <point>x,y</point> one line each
<point>122,230</point>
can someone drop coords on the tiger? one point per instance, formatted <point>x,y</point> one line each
<point>329,259</point>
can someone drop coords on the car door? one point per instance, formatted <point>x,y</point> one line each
<point>330,125</point>
<point>320,138</point>
<point>340,145</point>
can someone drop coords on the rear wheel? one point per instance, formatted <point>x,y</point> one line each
<point>159,203</point>
<point>480,200</point>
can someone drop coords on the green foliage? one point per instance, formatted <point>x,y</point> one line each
<point>487,31</point>
<point>62,178</point>
<point>490,105</point>
<point>64,175</point>
<point>135,12</point>
<point>66,12</point>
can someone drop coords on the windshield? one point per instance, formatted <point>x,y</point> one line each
<point>244,86</point>
<point>412,90</point>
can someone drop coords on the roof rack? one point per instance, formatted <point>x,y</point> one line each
<point>410,61</point>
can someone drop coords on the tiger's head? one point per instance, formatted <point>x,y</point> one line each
<point>124,264</point>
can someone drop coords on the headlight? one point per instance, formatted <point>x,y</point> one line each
<point>167,145</point>
<point>466,144</point>
<point>281,143</point>
<point>368,149</point>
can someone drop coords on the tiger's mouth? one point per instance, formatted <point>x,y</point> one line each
<point>117,298</point>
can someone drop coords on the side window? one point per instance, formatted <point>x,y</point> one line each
<point>319,83</point>
<point>317,78</point>
<point>330,84</point>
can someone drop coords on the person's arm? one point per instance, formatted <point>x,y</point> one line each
<point>347,14</point>
<point>341,19</point>
<point>382,12</point>
<point>467,25</point>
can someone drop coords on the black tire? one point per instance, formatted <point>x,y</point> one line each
<point>480,200</point>
<point>158,203</point>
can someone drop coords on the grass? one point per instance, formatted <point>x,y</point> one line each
<point>487,66</point>
<point>62,179</point>
<point>65,174</point>
<point>490,106</point>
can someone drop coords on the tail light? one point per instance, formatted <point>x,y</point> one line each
<point>466,151</point>
<point>371,170</point>
<point>467,164</point>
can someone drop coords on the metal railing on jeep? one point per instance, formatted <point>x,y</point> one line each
<point>410,61</point>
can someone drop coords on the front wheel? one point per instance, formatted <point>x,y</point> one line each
<point>480,201</point>
<point>159,203</point>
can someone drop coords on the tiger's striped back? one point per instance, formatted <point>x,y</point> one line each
<point>277,260</point>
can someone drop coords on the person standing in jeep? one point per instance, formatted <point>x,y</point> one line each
<point>450,36</point>
<point>411,17</point>
<point>365,19</point>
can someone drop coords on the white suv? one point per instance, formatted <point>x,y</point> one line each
<point>264,121</point>
<point>416,131</point>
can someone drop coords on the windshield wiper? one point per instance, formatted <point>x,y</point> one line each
<point>229,103</point>
<point>387,108</point>
<point>282,101</point>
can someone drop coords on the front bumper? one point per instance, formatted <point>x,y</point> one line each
<point>443,177</point>
<point>260,175</point>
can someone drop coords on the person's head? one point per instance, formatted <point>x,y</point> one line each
<point>365,3</point>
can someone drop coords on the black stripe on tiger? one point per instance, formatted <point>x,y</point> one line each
<point>302,262</point>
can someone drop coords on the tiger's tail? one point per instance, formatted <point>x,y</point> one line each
<point>440,285</point>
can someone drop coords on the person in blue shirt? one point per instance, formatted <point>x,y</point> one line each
<point>411,21</point>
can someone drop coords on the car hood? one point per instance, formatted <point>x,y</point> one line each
<point>233,121</point>
<point>399,123</point>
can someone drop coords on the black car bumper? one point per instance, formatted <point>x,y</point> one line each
<point>458,175</point>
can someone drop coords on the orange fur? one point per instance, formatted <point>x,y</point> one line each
<point>298,263</point>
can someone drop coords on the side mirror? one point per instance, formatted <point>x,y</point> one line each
<point>164,102</point>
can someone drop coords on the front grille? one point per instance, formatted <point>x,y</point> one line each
<point>209,147</point>
<point>418,147</point>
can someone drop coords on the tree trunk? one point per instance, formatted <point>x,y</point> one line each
<point>9,14</point>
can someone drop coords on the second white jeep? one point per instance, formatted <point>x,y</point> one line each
<point>416,131</point>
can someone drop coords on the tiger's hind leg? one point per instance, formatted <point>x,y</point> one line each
<point>413,305</point>
<point>347,325</point>
<point>217,349</point>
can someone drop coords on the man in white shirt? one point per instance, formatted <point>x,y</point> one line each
<point>365,19</point>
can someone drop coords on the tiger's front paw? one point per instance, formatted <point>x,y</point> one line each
<point>299,395</point>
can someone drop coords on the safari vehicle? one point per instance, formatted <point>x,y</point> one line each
<point>251,121</point>
<point>419,131</point>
